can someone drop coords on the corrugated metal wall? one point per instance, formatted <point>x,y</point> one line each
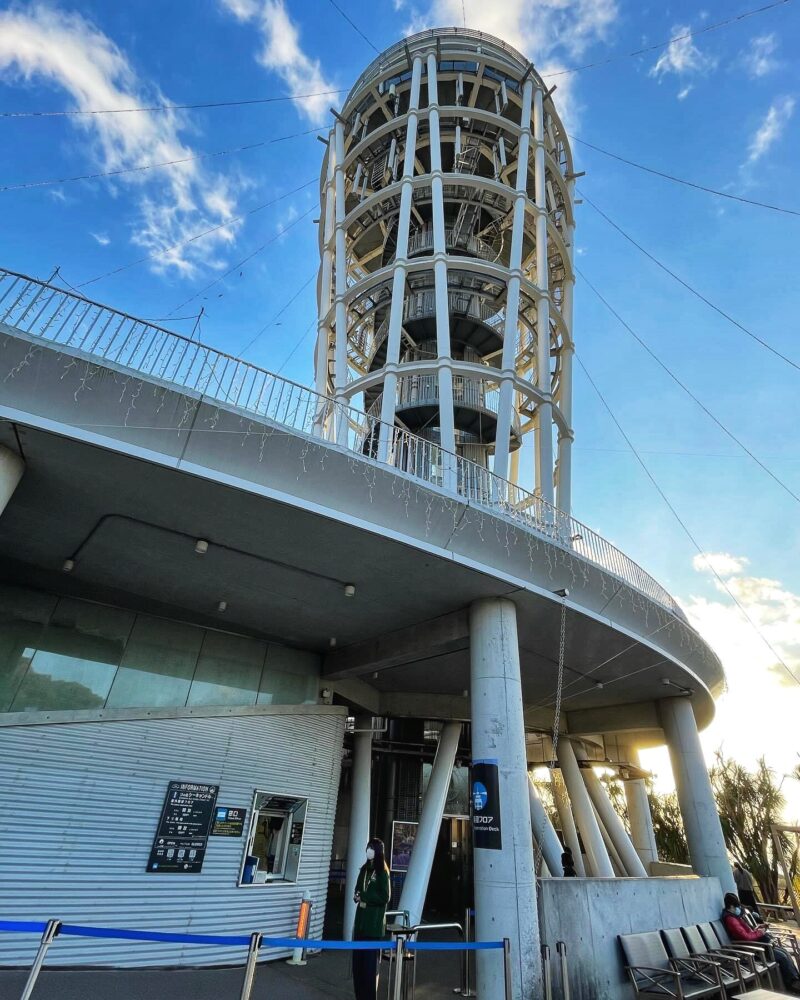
<point>79,806</point>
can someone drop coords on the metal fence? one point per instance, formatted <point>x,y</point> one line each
<point>105,336</point>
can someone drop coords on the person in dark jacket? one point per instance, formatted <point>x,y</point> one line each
<point>744,887</point>
<point>371,897</point>
<point>568,863</point>
<point>739,930</point>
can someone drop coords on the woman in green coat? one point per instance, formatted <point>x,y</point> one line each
<point>371,897</point>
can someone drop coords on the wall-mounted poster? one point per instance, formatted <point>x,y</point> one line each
<point>403,836</point>
<point>486,829</point>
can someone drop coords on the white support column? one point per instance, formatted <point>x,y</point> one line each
<point>596,854</point>
<point>568,829</point>
<point>445,371</point>
<point>11,469</point>
<point>340,355</point>
<point>415,886</point>
<point>389,401</point>
<point>505,413</point>
<point>566,438</point>
<point>707,849</point>
<point>641,819</point>
<point>543,832</point>
<point>542,306</point>
<point>505,883</point>
<point>325,290</point>
<point>631,864</point>
<point>360,832</point>
<point>614,858</point>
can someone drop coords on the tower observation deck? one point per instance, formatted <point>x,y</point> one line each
<point>446,234</point>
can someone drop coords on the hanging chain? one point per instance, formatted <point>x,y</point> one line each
<point>562,643</point>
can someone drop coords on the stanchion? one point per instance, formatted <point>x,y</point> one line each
<point>250,967</point>
<point>399,954</point>
<point>465,990</point>
<point>507,966</point>
<point>561,948</point>
<point>301,932</point>
<point>546,973</point>
<point>48,936</point>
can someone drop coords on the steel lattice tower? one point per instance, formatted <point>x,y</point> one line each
<point>446,236</point>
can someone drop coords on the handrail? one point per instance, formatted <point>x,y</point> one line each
<point>101,335</point>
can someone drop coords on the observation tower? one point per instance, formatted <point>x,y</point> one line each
<point>446,236</point>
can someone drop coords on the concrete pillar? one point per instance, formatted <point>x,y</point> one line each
<point>568,829</point>
<point>415,886</point>
<point>639,815</point>
<point>11,469</point>
<point>597,858</point>
<point>544,835</point>
<point>631,864</point>
<point>505,883</point>
<point>707,850</point>
<point>614,858</point>
<point>360,831</point>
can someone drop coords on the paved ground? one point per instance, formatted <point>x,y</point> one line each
<point>325,976</point>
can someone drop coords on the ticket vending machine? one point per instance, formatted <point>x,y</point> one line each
<point>275,839</point>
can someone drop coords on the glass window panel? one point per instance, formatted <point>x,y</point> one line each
<point>157,666</point>
<point>291,677</point>
<point>76,659</point>
<point>228,671</point>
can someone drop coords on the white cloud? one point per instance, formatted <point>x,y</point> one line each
<point>552,33</point>
<point>759,58</point>
<point>758,714</point>
<point>40,43</point>
<point>282,53</point>
<point>683,94</point>
<point>719,562</point>
<point>771,128</point>
<point>681,57</point>
<point>101,238</point>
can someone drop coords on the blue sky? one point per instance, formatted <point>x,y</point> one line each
<point>718,108</point>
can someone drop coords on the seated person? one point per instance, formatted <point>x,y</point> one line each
<point>733,916</point>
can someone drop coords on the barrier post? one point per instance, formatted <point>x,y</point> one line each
<point>250,967</point>
<point>546,973</point>
<point>48,936</point>
<point>465,989</point>
<point>301,932</point>
<point>398,968</point>
<point>561,948</point>
<point>507,967</point>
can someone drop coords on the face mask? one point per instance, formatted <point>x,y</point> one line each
<point>370,854</point>
<point>737,911</point>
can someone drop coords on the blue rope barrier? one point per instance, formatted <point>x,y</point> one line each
<point>236,940</point>
<point>23,926</point>
<point>453,945</point>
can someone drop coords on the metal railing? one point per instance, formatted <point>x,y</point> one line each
<point>422,240</point>
<point>102,336</point>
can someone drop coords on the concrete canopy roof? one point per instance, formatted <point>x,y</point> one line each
<point>292,520</point>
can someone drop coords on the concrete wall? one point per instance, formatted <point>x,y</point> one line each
<point>588,915</point>
<point>81,803</point>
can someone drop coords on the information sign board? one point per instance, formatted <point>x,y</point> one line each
<point>228,821</point>
<point>486,827</point>
<point>182,835</point>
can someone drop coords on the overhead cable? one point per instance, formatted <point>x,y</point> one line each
<point>197,236</point>
<point>293,351</point>
<point>151,166</point>
<point>170,107</point>
<point>677,38</point>
<point>687,183</point>
<point>690,288</point>
<point>353,25</point>
<point>244,260</point>
<point>683,524</point>
<point>279,313</point>
<point>688,391</point>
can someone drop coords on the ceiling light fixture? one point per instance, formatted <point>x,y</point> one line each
<point>68,566</point>
<point>222,606</point>
<point>201,546</point>
<point>349,590</point>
